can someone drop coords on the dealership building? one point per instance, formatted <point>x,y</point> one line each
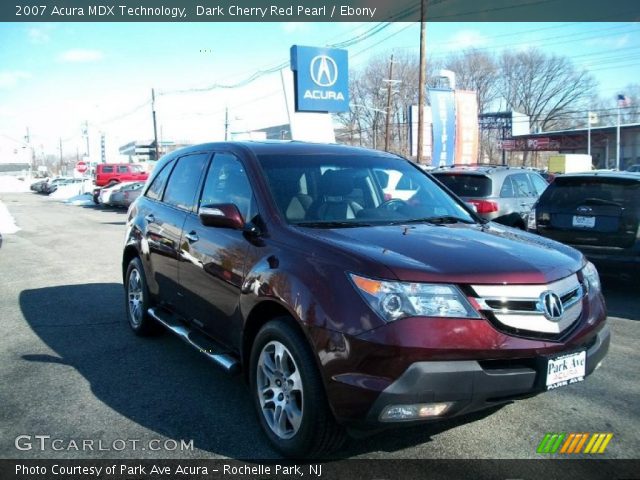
<point>603,144</point>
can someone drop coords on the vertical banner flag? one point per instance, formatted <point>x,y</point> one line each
<point>444,126</point>
<point>467,129</point>
<point>426,133</point>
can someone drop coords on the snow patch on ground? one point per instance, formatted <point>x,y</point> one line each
<point>65,192</point>
<point>9,184</point>
<point>7,223</point>
<point>83,199</point>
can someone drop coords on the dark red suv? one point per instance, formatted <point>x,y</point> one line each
<point>343,307</point>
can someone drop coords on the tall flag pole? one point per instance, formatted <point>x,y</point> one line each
<point>623,102</point>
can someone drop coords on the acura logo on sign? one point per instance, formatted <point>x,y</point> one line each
<point>324,71</point>
<point>551,305</point>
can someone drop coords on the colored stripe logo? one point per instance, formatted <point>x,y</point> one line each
<point>569,443</point>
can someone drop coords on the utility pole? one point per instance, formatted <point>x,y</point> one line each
<point>389,85</point>
<point>27,139</point>
<point>60,155</point>
<point>226,123</point>
<point>421,79</point>
<point>85,134</point>
<point>155,127</point>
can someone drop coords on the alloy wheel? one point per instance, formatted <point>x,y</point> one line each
<point>280,390</point>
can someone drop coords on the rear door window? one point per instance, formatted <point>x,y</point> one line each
<point>521,185</point>
<point>123,169</point>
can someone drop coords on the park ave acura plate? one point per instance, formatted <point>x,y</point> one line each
<point>566,369</point>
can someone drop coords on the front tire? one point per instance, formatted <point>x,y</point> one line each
<point>288,393</point>
<point>137,300</point>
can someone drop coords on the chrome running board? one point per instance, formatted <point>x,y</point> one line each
<point>204,345</point>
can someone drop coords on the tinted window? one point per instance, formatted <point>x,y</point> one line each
<point>182,188</point>
<point>466,185</point>
<point>567,192</point>
<point>123,169</point>
<point>157,186</point>
<point>227,182</point>
<point>107,169</point>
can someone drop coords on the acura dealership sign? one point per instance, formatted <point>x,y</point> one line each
<point>321,77</point>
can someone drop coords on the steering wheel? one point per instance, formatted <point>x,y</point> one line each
<point>393,204</point>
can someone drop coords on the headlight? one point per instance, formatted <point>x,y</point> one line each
<point>592,278</point>
<point>394,300</point>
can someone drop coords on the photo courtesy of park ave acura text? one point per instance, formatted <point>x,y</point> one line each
<point>341,239</point>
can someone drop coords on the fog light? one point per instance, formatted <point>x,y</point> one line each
<point>399,413</point>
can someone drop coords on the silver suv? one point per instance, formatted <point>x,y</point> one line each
<point>502,194</point>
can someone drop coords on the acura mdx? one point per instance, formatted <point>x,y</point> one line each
<point>345,306</point>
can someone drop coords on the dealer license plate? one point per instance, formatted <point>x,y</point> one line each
<point>566,369</point>
<point>584,222</point>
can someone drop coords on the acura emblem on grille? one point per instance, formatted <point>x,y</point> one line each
<point>551,305</point>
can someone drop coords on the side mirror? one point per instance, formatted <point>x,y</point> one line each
<point>223,215</point>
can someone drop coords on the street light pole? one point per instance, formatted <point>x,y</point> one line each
<point>155,128</point>
<point>421,79</point>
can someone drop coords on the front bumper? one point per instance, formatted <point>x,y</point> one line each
<point>476,385</point>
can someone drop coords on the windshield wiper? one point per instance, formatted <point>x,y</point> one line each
<point>334,224</point>
<point>441,220</point>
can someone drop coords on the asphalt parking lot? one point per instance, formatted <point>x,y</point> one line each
<point>71,368</point>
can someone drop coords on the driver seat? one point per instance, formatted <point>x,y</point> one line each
<point>333,202</point>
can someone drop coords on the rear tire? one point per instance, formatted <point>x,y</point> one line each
<point>138,300</point>
<point>289,395</point>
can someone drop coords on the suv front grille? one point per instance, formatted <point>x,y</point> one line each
<point>520,309</point>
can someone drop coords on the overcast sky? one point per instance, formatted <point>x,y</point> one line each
<point>53,77</point>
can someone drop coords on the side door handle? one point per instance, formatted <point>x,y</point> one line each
<point>192,236</point>
<point>150,218</point>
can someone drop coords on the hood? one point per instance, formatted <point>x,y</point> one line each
<point>459,253</point>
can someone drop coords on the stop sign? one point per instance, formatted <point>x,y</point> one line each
<point>81,167</point>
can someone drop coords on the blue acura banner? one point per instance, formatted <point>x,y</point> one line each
<point>444,126</point>
<point>321,78</point>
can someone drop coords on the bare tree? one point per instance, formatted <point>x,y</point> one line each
<point>365,121</point>
<point>477,71</point>
<point>545,87</point>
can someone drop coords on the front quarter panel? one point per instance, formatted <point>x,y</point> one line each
<point>315,290</point>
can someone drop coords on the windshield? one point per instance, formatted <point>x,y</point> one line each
<point>342,191</point>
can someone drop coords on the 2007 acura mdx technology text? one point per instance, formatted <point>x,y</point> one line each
<point>347,308</point>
